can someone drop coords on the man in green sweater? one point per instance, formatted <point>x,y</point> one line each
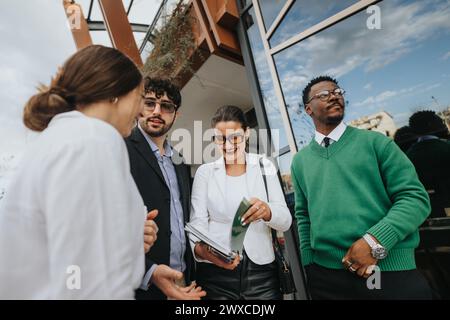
<point>358,205</point>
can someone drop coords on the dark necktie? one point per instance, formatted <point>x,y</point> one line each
<point>326,142</point>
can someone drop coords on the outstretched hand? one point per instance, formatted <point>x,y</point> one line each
<point>165,279</point>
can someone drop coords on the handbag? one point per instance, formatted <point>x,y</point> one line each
<point>287,284</point>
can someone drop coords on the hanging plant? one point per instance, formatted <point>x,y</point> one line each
<point>173,43</point>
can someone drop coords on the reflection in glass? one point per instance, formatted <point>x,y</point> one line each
<point>387,74</point>
<point>304,14</point>
<point>265,79</point>
<point>284,164</point>
<point>270,10</point>
<point>244,3</point>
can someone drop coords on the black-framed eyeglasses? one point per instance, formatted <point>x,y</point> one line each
<point>166,107</point>
<point>234,138</point>
<point>326,94</point>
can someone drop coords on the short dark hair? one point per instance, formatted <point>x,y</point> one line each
<point>162,86</point>
<point>427,122</point>
<point>404,137</point>
<point>230,113</point>
<point>314,81</point>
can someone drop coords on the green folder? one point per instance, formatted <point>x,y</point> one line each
<point>238,230</point>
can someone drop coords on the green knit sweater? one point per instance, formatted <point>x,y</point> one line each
<point>362,183</point>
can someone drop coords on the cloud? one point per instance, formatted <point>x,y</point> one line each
<point>350,46</point>
<point>376,101</point>
<point>35,40</point>
<point>446,56</point>
<point>368,86</point>
<point>341,49</point>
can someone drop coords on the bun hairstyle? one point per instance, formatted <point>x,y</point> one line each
<point>95,73</point>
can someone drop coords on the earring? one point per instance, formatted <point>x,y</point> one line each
<point>115,100</point>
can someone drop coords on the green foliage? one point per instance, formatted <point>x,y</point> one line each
<point>173,45</point>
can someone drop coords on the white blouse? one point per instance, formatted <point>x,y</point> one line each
<point>72,220</point>
<point>235,189</point>
<point>211,199</point>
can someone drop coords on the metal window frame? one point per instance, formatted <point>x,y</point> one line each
<point>275,80</point>
<point>270,52</point>
<point>279,18</point>
<point>291,236</point>
<point>342,15</point>
<point>99,25</point>
<point>151,28</point>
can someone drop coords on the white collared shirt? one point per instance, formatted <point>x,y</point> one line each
<point>334,135</point>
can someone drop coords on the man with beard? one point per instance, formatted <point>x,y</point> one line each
<point>358,205</point>
<point>164,183</point>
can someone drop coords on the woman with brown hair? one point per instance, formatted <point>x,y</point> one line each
<point>217,192</point>
<point>72,221</point>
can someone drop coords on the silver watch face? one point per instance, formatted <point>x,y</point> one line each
<point>379,252</point>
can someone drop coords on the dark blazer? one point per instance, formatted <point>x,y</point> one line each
<point>156,194</point>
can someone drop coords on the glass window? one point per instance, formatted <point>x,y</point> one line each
<point>101,37</point>
<point>388,74</point>
<point>304,14</point>
<point>270,10</point>
<point>244,3</point>
<point>126,4</point>
<point>284,164</point>
<point>143,12</point>
<point>84,6</point>
<point>265,79</point>
<point>139,37</point>
<point>147,50</point>
<point>96,14</point>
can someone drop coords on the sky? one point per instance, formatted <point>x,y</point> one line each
<point>35,40</point>
<point>401,68</point>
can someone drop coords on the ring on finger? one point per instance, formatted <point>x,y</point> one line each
<point>351,269</point>
<point>347,263</point>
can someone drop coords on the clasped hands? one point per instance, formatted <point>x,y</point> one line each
<point>359,259</point>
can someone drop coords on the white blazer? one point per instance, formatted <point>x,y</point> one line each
<point>72,220</point>
<point>208,209</point>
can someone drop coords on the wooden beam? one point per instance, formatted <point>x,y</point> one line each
<point>78,24</point>
<point>228,15</point>
<point>119,29</point>
<point>201,28</point>
<point>225,38</point>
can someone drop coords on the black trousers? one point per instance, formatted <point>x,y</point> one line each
<point>248,281</point>
<point>333,284</point>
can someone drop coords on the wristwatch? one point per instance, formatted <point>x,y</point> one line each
<point>378,251</point>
